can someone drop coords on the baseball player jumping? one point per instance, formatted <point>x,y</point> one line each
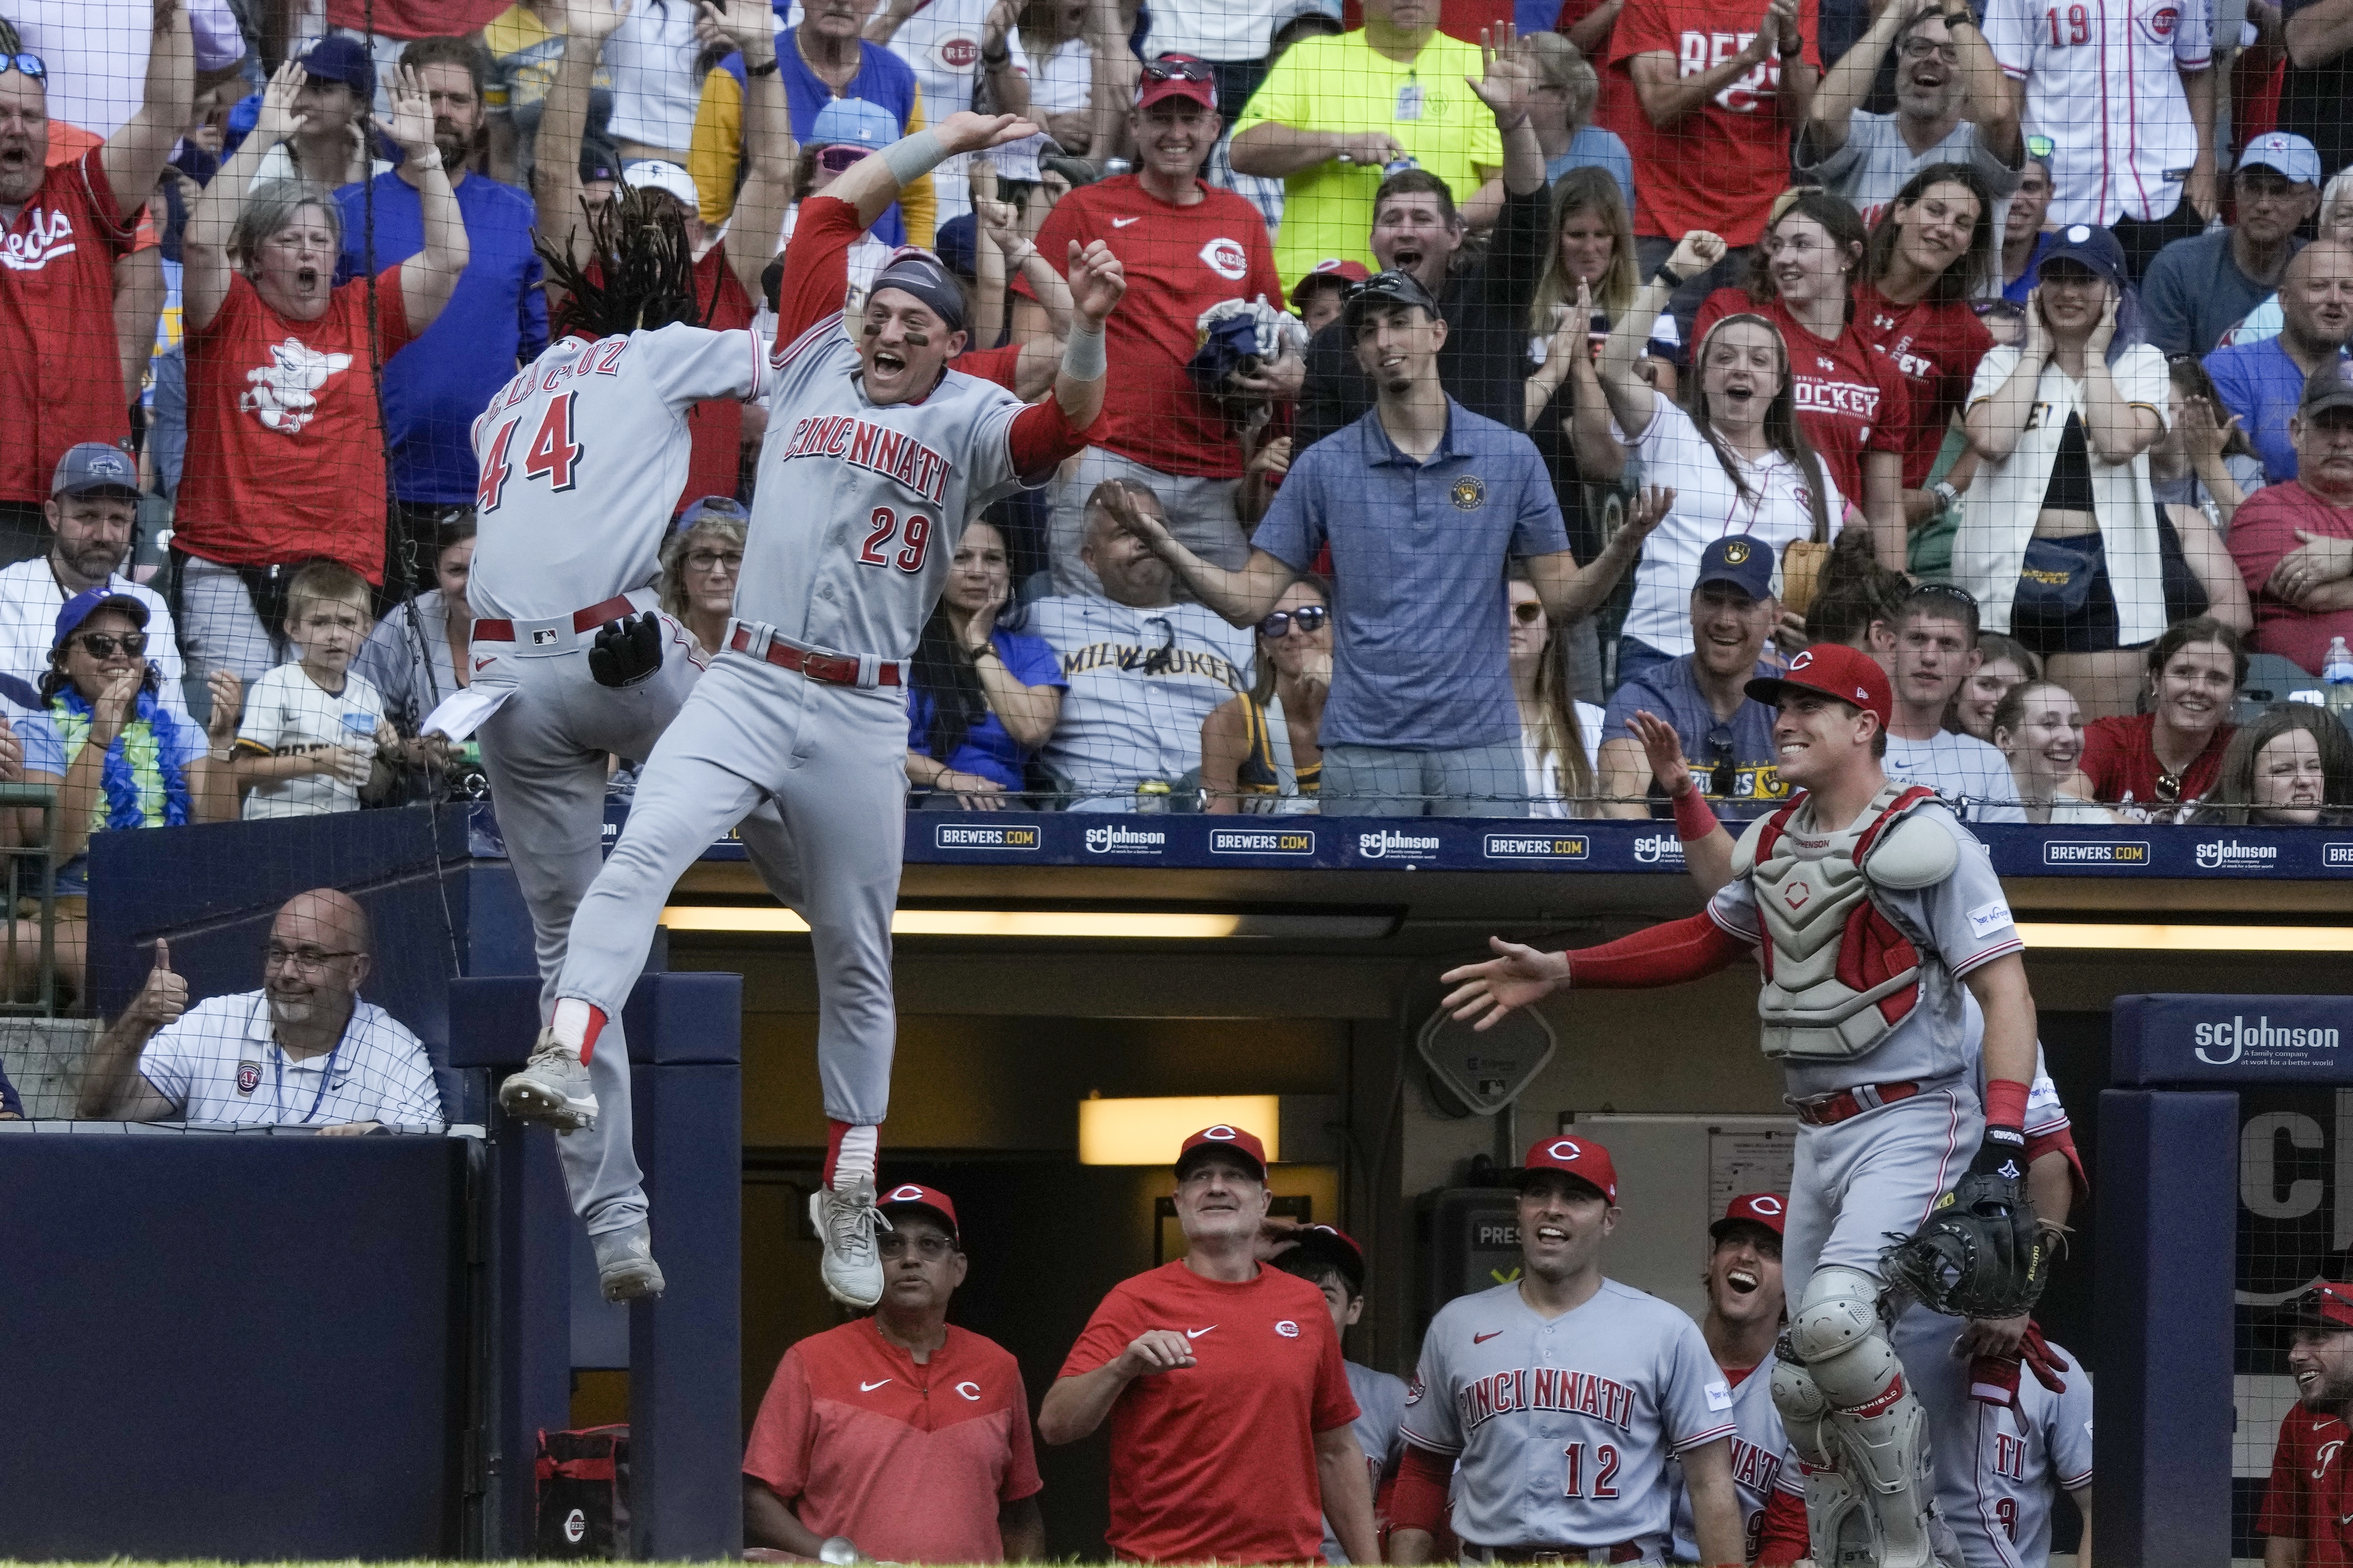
<point>581,455</point>
<point>1869,905</point>
<point>1564,1393</point>
<point>876,456</point>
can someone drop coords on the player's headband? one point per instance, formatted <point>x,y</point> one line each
<point>919,272</point>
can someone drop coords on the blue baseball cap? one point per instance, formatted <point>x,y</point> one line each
<point>337,58</point>
<point>2087,244</point>
<point>712,507</point>
<point>92,466</point>
<point>855,123</point>
<point>88,602</point>
<point>1745,563</point>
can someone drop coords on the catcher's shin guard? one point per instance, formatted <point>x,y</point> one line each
<point>1874,1425</point>
<point>1837,1535</point>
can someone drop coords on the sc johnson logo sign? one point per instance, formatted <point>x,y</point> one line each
<point>2219,1045</point>
<point>1118,840</point>
<point>1538,846</point>
<point>1658,850</point>
<point>1386,844</point>
<point>2229,854</point>
<point>1261,841</point>
<point>2084,852</point>
<point>947,836</point>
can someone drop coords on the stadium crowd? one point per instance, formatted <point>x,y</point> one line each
<point>1494,395</point>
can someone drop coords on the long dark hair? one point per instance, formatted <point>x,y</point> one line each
<point>1836,216</point>
<point>1780,421</point>
<point>1962,279</point>
<point>640,271</point>
<point>1854,591</point>
<point>945,673</point>
<point>2233,800</point>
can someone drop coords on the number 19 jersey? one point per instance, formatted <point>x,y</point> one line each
<point>1564,1425</point>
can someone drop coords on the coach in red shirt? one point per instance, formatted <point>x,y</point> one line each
<point>898,1436</point>
<point>2307,1503</point>
<point>1186,246</point>
<point>61,232</point>
<point>1228,1401</point>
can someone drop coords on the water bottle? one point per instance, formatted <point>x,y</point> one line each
<point>1152,795</point>
<point>2336,674</point>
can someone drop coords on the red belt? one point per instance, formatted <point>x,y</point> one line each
<point>831,668</point>
<point>618,607</point>
<point>1830,1110</point>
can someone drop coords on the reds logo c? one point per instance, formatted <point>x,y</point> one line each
<point>1564,1144</point>
<point>910,1193</point>
<point>1764,1206</point>
<point>970,1389</point>
<point>1221,1132</point>
<point>1227,259</point>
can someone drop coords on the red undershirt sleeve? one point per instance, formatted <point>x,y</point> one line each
<point>1042,436</point>
<point>816,265</point>
<point>1666,955</point>
<point>1418,1501</point>
<point>1782,1539</point>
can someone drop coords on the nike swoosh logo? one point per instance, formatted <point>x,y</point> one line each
<point>482,664</point>
<point>1197,1333</point>
<point>1122,222</point>
<point>1483,1339</point>
<point>870,1387</point>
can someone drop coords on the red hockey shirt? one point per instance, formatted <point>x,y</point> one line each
<point>1849,399</point>
<point>1935,349</point>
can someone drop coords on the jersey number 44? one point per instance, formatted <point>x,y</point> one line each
<point>553,455</point>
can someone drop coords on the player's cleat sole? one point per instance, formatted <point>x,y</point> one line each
<point>625,1269</point>
<point>552,1089</point>
<point>852,1266</point>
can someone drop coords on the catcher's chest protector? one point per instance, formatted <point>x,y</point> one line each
<point>1839,975</point>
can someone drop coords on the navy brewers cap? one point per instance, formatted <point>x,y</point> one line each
<point>1745,563</point>
<point>92,466</point>
<point>88,602</point>
<point>2087,244</point>
<point>338,57</point>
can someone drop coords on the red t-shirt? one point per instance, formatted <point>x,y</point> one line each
<point>1849,399</point>
<point>60,377</point>
<point>1935,349</point>
<point>997,365</point>
<point>911,1462</point>
<point>1217,1460</point>
<point>2306,1498</point>
<point>285,448</point>
<point>2262,532</point>
<point>1720,166</point>
<point>414,18</point>
<point>2120,759</point>
<point>716,427</point>
<point>1616,109</point>
<point>1179,261</point>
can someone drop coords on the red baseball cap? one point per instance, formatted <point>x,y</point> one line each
<point>1331,270</point>
<point>1835,670</point>
<point>1770,1210</point>
<point>2327,1305</point>
<point>1335,1247</point>
<point>1224,1137</point>
<point>913,1195</point>
<point>1580,1157</point>
<point>1177,75</point>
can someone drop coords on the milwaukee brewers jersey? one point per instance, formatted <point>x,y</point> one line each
<point>583,455</point>
<point>1758,1449</point>
<point>1564,1426</point>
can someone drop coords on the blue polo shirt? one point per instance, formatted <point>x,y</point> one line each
<point>495,320</point>
<point>882,78</point>
<point>1420,613</point>
<point>1671,690</point>
<point>2263,386</point>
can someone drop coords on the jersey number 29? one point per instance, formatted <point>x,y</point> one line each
<point>1605,1471</point>
<point>911,535</point>
<point>553,455</point>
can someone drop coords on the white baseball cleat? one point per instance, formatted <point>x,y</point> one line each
<point>552,1089</point>
<point>625,1269</point>
<point>845,1219</point>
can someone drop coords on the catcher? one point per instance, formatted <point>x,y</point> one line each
<point>1869,905</point>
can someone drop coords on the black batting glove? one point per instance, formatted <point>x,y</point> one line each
<point>627,651</point>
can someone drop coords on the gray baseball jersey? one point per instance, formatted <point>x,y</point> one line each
<point>860,505</point>
<point>602,423</point>
<point>1758,1450</point>
<point>1957,924</point>
<point>1379,1428</point>
<point>1564,1426</point>
<point>1998,1472</point>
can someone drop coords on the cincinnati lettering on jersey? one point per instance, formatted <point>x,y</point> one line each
<point>1543,1388</point>
<point>1836,397</point>
<point>877,449</point>
<point>1754,1468</point>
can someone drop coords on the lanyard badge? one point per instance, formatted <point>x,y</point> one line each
<point>1408,100</point>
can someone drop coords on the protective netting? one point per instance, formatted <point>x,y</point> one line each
<point>1975,338</point>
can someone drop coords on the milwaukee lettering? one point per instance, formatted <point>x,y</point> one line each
<point>877,449</point>
<point>1544,1388</point>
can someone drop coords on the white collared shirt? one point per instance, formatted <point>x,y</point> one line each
<point>30,599</point>
<point>221,1063</point>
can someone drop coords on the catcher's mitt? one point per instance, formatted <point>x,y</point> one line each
<point>1980,1253</point>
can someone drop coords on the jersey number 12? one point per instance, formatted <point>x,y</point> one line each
<point>1605,1471</point>
<point>553,455</point>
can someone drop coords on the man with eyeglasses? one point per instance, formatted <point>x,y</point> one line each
<point>2199,288</point>
<point>1230,1415</point>
<point>63,229</point>
<point>1726,736</point>
<point>303,1051</point>
<point>1936,650</point>
<point>898,1437</point>
<point>1952,106</point>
